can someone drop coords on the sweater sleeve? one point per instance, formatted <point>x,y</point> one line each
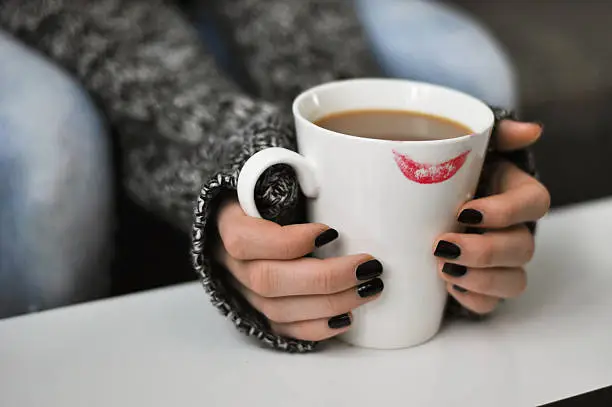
<point>177,117</point>
<point>183,127</point>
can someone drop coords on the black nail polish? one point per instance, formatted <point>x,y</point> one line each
<point>459,289</point>
<point>470,217</point>
<point>339,321</point>
<point>454,270</point>
<point>326,237</point>
<point>369,270</point>
<point>371,288</point>
<point>447,250</point>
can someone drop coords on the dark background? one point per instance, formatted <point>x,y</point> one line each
<point>563,55</point>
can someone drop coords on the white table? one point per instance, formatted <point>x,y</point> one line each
<point>170,348</point>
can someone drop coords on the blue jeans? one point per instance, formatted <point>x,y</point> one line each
<point>55,187</point>
<point>429,41</point>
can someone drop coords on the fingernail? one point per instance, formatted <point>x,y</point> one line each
<point>447,250</point>
<point>326,237</point>
<point>459,289</point>
<point>540,124</point>
<point>369,270</point>
<point>371,288</point>
<point>470,217</point>
<point>339,321</point>
<point>454,270</point>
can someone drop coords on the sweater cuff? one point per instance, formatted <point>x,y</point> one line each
<point>278,197</point>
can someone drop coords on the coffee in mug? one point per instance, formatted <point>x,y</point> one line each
<point>398,125</point>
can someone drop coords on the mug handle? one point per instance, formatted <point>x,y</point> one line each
<point>264,159</point>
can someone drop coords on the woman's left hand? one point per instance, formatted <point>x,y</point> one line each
<point>481,269</point>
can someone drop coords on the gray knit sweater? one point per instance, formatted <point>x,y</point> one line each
<point>185,129</point>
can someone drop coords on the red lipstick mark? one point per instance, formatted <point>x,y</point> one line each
<point>429,173</point>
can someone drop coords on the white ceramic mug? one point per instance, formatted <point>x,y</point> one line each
<point>390,199</point>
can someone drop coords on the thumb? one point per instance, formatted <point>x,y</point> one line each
<point>513,135</point>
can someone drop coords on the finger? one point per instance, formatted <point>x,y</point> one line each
<point>248,238</point>
<point>309,307</point>
<point>514,135</point>
<point>305,276</point>
<point>511,247</point>
<point>521,199</point>
<point>478,303</point>
<point>315,330</point>
<point>494,282</point>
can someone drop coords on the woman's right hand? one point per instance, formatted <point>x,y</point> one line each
<point>304,298</point>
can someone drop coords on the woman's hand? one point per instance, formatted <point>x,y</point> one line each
<point>303,297</point>
<point>312,299</point>
<point>481,269</point>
